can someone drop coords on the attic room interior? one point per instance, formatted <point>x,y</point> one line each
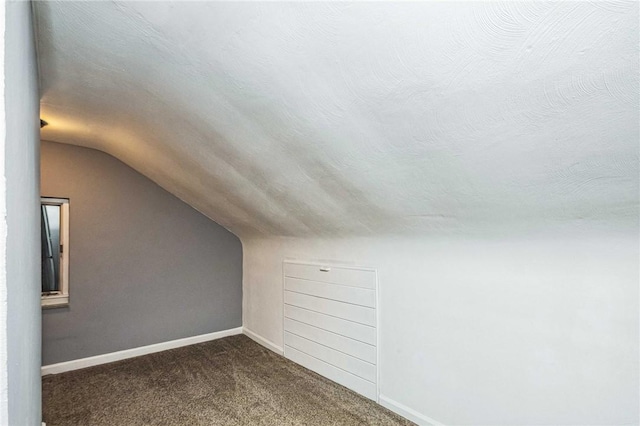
<point>320,213</point>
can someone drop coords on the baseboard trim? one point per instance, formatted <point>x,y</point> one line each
<point>77,364</point>
<point>261,340</point>
<point>407,412</point>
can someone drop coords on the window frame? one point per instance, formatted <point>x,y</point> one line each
<point>59,298</point>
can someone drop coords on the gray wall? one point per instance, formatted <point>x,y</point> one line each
<point>23,224</point>
<point>144,266</point>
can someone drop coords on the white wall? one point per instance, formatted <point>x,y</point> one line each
<point>524,330</point>
<point>4,405</point>
<point>21,172</point>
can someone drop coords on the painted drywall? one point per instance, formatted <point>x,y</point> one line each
<point>22,179</point>
<point>537,330</point>
<point>337,119</point>
<point>145,267</point>
<point>4,397</point>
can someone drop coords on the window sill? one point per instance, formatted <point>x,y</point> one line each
<point>54,301</point>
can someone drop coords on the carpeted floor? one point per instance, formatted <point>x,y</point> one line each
<point>231,381</point>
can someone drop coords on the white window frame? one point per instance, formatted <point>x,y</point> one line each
<point>60,298</point>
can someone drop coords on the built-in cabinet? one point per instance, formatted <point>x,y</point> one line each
<point>331,322</point>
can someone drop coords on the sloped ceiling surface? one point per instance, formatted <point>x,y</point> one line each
<point>357,119</point>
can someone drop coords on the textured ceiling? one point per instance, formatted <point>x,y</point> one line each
<point>357,119</point>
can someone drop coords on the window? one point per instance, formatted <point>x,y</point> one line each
<point>54,217</point>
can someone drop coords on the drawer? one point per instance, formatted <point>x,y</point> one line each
<point>331,274</point>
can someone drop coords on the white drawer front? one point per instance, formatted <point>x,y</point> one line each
<point>332,274</point>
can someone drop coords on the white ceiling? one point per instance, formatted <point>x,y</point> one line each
<point>357,119</point>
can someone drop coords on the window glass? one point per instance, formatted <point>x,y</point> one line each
<point>54,219</point>
<point>50,218</point>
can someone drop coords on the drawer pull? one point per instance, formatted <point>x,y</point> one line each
<point>325,269</point>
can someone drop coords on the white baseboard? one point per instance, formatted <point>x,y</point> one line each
<point>77,364</point>
<point>407,412</point>
<point>264,342</point>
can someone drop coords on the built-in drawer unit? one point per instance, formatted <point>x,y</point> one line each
<point>330,323</point>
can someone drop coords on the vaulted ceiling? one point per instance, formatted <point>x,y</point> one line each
<point>327,119</point>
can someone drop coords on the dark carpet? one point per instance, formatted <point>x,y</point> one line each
<point>230,381</point>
